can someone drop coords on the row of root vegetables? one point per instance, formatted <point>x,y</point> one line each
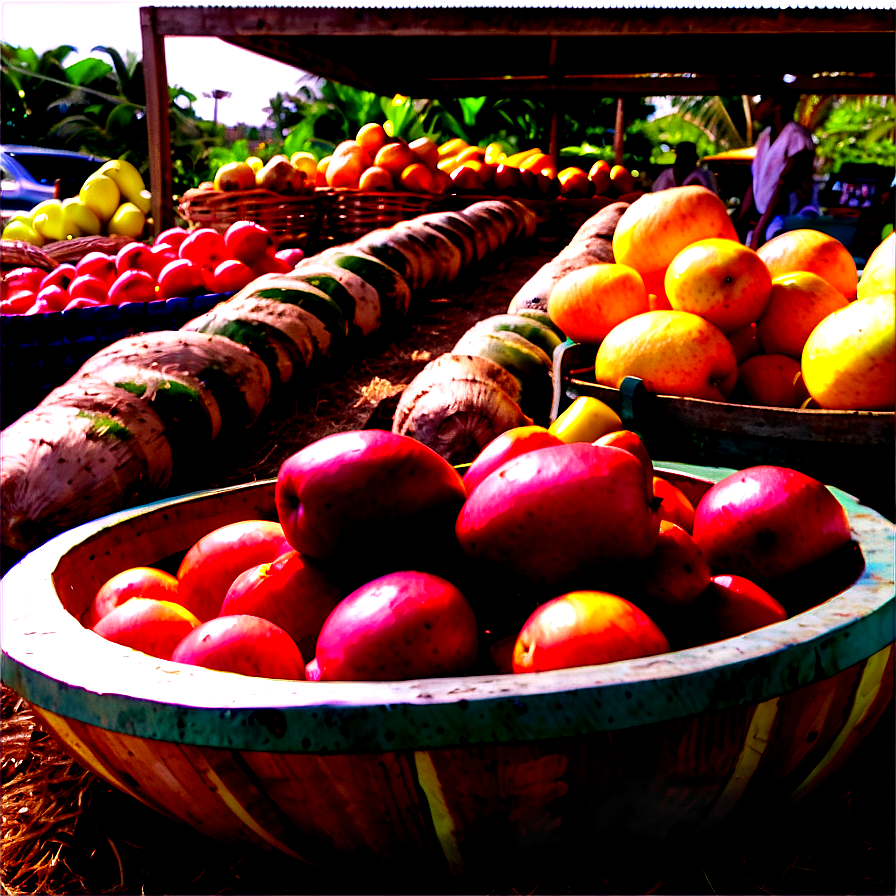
<point>112,435</point>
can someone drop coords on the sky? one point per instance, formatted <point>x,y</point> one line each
<point>198,64</point>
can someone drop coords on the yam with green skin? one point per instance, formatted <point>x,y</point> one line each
<point>456,406</point>
<point>359,301</point>
<point>236,377</point>
<point>541,317</point>
<point>543,336</point>
<point>403,251</point>
<point>450,228</point>
<point>285,361</point>
<point>529,364</point>
<point>479,245</point>
<point>447,258</point>
<point>63,466</point>
<point>392,288</point>
<point>493,232</point>
<point>506,220</point>
<point>187,406</point>
<point>108,400</point>
<point>591,244</point>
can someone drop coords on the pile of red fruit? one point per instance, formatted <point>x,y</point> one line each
<point>386,564</point>
<point>179,263</point>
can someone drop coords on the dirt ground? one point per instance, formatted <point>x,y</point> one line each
<point>87,837</point>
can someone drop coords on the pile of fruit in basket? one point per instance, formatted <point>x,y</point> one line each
<point>374,161</point>
<point>112,201</point>
<point>385,563</point>
<point>178,263</point>
<point>691,311</point>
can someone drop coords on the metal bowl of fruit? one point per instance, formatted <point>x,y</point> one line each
<point>474,767</point>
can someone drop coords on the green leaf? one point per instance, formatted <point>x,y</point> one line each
<point>87,70</point>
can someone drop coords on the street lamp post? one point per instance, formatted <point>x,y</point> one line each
<point>217,95</point>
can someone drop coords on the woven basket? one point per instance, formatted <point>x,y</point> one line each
<point>349,214</point>
<point>16,253</point>
<point>41,351</point>
<point>292,220</point>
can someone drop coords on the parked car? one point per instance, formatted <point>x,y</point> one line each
<point>30,175</point>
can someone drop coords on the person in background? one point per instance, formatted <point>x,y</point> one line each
<point>685,171</point>
<point>781,172</point>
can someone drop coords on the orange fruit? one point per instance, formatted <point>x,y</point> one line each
<point>588,302</point>
<point>798,303</point>
<point>344,171</point>
<point>574,182</point>
<point>657,226</point>
<point>353,148</point>
<point>371,137</point>
<point>674,352</point>
<point>721,280</point>
<point>417,178</point>
<point>621,179</point>
<point>376,178</point>
<point>811,250</point>
<point>427,150</point>
<point>599,175</point>
<point>676,507</point>
<point>773,380</point>
<point>322,166</point>
<point>395,157</point>
<point>745,342</point>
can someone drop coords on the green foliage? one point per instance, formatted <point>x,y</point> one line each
<point>858,129</point>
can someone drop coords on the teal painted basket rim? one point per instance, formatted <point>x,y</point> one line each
<point>125,691</point>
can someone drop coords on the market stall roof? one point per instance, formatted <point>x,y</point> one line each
<point>561,50</point>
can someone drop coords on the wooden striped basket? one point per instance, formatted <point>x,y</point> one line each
<point>16,253</point>
<point>348,214</point>
<point>292,220</point>
<point>471,773</point>
<point>851,449</point>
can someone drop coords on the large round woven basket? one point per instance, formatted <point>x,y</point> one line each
<point>292,220</point>
<point>457,774</point>
<point>16,253</point>
<point>349,214</point>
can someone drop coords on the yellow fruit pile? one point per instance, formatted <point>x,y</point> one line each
<point>112,201</point>
<point>288,175</point>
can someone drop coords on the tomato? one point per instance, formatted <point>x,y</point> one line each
<point>583,628</point>
<point>212,563</point>
<point>138,581</point>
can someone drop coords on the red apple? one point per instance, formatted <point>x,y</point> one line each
<point>132,286</point>
<point>215,560</point>
<point>504,447</point>
<point>270,264</point>
<point>138,581</point>
<point>312,670</point>
<point>83,302</point>
<point>558,513</point>
<point>766,522</point>
<point>18,301</point>
<point>231,275</point>
<point>173,236</point>
<point>152,626</point>
<point>289,591</point>
<point>99,264</point>
<point>583,628</point>
<point>86,286</point>
<point>40,306</point>
<point>248,241</point>
<point>181,277</point>
<point>402,625</point>
<point>631,442</point>
<point>161,255</point>
<point>205,247</point>
<point>675,574</point>
<point>291,256</point>
<point>27,277</point>
<point>733,605</point>
<point>55,297</point>
<point>134,256</point>
<point>60,276</point>
<point>247,645</point>
<point>368,499</point>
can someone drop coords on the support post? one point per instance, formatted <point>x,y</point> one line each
<point>619,133</point>
<point>155,76</point>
